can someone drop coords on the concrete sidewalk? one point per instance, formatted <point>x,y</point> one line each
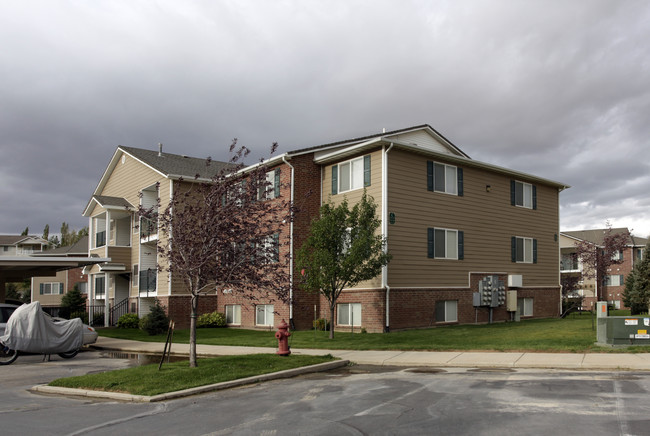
<point>583,361</point>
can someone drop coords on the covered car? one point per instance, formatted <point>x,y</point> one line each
<point>31,330</point>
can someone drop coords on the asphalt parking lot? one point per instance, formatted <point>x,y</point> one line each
<point>354,400</point>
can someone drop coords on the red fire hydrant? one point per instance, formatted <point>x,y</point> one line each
<point>282,335</point>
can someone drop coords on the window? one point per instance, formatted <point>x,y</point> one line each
<point>444,178</point>
<point>618,256</point>
<point>351,175</point>
<point>445,244</point>
<point>639,253</point>
<point>614,280</point>
<point>100,238</point>
<point>525,306</point>
<point>524,250</point>
<point>5,248</point>
<point>264,314</point>
<point>233,314</point>
<point>447,311</point>
<point>569,262</point>
<point>100,287</point>
<point>271,189</point>
<point>83,287</point>
<point>349,314</point>
<point>523,194</point>
<point>135,276</point>
<point>271,248</point>
<point>51,288</point>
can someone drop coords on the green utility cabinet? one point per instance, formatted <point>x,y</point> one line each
<point>622,330</point>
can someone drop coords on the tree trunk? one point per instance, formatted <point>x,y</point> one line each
<point>332,321</point>
<point>195,306</point>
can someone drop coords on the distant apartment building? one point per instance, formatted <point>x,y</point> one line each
<point>614,283</point>
<point>20,245</point>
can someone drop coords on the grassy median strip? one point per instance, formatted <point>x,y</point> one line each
<point>573,334</point>
<point>176,376</point>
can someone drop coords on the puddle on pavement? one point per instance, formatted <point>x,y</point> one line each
<point>426,370</point>
<point>491,370</point>
<point>138,359</point>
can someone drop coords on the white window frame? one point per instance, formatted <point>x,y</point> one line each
<point>451,311</point>
<point>354,174</point>
<point>50,286</point>
<point>450,178</point>
<point>527,305</point>
<point>451,249</point>
<point>614,280</point>
<point>233,314</point>
<point>348,311</point>
<point>526,192</point>
<point>526,251</point>
<point>264,315</point>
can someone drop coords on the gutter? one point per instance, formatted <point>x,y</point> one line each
<point>291,323</point>
<point>384,228</point>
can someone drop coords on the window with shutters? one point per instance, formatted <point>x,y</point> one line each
<point>270,189</point>
<point>524,250</point>
<point>351,175</point>
<point>53,288</point>
<point>614,280</point>
<point>445,244</point>
<point>444,178</point>
<point>523,194</point>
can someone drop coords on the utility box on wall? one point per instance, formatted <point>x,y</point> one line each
<point>511,301</point>
<point>515,281</point>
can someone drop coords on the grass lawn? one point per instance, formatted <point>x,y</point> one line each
<point>573,334</point>
<point>148,380</point>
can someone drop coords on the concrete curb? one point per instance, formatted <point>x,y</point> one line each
<point>117,396</point>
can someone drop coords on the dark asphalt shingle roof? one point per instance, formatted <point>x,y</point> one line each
<point>175,164</point>
<point>105,200</point>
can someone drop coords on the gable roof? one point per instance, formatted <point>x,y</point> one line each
<point>425,127</point>
<point>18,239</point>
<point>175,165</point>
<point>78,249</point>
<point>168,165</point>
<point>597,236</point>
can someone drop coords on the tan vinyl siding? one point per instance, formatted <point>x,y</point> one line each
<point>487,219</point>
<point>120,255</point>
<point>374,191</point>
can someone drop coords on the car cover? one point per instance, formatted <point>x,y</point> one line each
<point>31,330</point>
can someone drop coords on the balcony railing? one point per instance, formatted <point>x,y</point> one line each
<point>148,230</point>
<point>147,280</point>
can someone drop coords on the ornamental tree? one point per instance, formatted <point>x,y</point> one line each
<point>223,233</point>
<point>342,250</point>
<point>597,258</point>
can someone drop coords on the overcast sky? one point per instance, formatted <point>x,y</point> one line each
<point>556,88</point>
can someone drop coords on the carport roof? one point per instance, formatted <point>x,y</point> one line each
<point>17,268</point>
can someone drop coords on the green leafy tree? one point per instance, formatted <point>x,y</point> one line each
<point>636,295</point>
<point>46,232</point>
<point>342,250</point>
<point>25,232</point>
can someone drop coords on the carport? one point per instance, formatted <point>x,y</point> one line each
<point>19,268</point>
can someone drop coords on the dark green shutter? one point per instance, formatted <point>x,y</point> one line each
<point>534,250</point>
<point>459,174</point>
<point>276,183</point>
<point>366,170</point>
<point>512,192</point>
<point>41,288</point>
<point>276,247</point>
<point>534,197</point>
<point>513,248</point>
<point>335,179</point>
<point>461,245</point>
<point>429,176</point>
<point>430,243</point>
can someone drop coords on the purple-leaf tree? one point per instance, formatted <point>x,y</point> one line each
<point>225,232</point>
<point>598,256</point>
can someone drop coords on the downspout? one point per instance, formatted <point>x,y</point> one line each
<point>384,228</point>
<point>291,322</point>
